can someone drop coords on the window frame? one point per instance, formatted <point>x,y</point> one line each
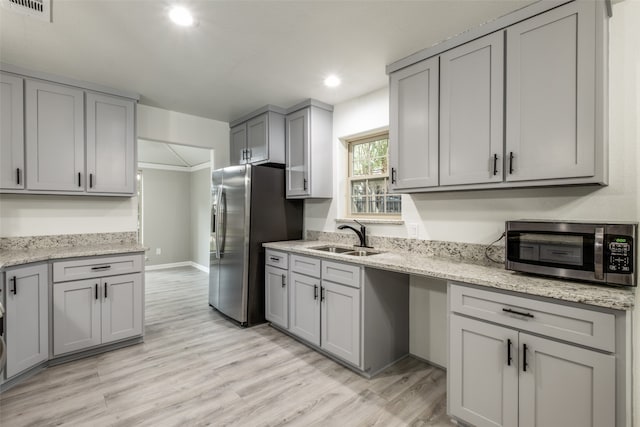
<point>350,178</point>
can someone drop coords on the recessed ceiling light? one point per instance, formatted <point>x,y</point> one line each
<point>332,81</point>
<point>181,16</point>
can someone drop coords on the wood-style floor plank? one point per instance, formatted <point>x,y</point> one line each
<point>197,368</point>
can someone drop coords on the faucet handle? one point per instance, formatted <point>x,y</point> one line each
<point>359,223</point>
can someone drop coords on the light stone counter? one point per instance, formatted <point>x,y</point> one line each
<point>617,298</point>
<point>13,257</point>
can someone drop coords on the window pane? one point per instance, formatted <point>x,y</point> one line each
<point>358,204</point>
<point>376,186</point>
<point>358,188</point>
<point>394,204</point>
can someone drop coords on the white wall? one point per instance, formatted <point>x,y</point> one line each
<point>200,207</point>
<point>156,124</point>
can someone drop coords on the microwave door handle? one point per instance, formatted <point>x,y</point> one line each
<point>598,254</point>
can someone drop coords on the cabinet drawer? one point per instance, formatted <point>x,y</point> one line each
<point>305,265</point>
<point>96,267</point>
<point>581,326</point>
<point>341,273</point>
<point>276,259</point>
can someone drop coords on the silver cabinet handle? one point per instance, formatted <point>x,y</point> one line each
<point>284,280</point>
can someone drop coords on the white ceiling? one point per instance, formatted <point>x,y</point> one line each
<point>160,153</point>
<point>242,54</point>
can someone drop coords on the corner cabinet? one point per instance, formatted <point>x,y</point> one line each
<point>520,362</point>
<point>110,145</point>
<point>75,141</point>
<point>11,132</point>
<point>522,106</point>
<point>309,150</point>
<point>258,137</point>
<point>27,317</point>
<point>413,132</point>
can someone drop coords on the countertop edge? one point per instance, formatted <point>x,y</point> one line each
<point>562,290</point>
<point>10,258</point>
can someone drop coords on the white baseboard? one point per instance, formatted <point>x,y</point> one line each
<point>176,264</point>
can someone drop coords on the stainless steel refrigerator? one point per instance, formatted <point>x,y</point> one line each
<point>248,208</point>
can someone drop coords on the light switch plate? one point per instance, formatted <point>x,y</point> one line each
<point>158,251</point>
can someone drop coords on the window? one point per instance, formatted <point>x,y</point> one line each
<point>139,181</point>
<point>368,178</point>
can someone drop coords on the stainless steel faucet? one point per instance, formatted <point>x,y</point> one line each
<point>362,234</point>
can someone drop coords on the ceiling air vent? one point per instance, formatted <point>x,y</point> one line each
<point>39,9</point>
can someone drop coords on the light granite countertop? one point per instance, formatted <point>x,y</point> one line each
<point>617,298</point>
<point>13,257</point>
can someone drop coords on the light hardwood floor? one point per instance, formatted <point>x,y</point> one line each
<point>197,368</point>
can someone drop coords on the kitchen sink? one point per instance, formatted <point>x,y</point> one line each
<point>334,249</point>
<point>362,253</point>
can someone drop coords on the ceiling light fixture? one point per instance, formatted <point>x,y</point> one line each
<point>181,16</point>
<point>332,81</point>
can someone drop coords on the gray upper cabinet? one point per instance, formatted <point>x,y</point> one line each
<point>238,144</point>
<point>471,112</point>
<point>54,137</point>
<point>309,150</point>
<point>110,144</point>
<point>413,132</point>
<point>521,103</point>
<point>27,318</point>
<point>11,132</point>
<point>258,137</point>
<point>551,95</point>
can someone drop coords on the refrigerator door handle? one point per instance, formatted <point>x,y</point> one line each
<point>217,221</point>
<point>222,227</point>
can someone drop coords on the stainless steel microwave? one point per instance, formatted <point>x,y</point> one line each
<point>595,252</point>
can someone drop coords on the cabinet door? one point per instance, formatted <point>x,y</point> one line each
<point>110,144</point>
<point>565,385</point>
<point>471,103</point>
<point>238,145</point>
<point>55,137</point>
<point>27,318</point>
<point>413,130</point>
<point>483,383</point>
<point>276,296</point>
<point>304,307</point>
<point>258,139</point>
<point>340,321</point>
<point>121,307</point>
<point>11,132</point>
<point>76,315</point>
<point>551,95</point>
<point>297,153</point>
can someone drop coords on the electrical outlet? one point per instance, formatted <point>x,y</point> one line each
<point>412,230</point>
<point>158,251</point>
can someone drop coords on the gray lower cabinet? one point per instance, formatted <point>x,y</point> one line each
<point>11,132</point>
<point>27,317</point>
<point>110,145</point>
<point>358,315</point>
<point>91,312</point>
<point>340,321</point>
<point>503,375</point>
<point>277,296</point>
<point>96,301</point>
<point>304,306</point>
<point>54,124</point>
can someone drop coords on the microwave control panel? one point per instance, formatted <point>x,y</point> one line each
<point>619,254</point>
